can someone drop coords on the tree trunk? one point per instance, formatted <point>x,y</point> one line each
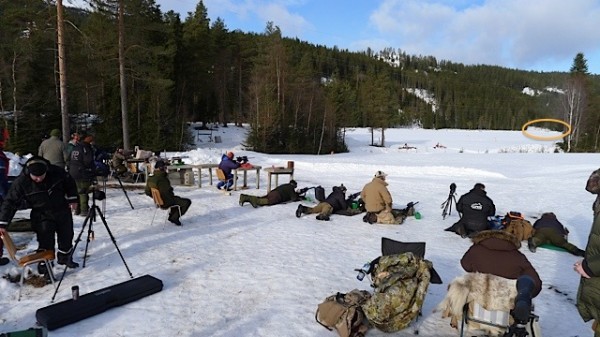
<point>62,72</point>
<point>122,81</point>
<point>14,93</point>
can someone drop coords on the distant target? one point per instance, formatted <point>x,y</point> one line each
<point>548,138</point>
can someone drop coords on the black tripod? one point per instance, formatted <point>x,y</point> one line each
<point>123,189</point>
<point>89,220</point>
<point>447,205</point>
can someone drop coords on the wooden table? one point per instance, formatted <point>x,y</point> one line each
<point>276,171</point>
<point>209,167</point>
<point>245,170</point>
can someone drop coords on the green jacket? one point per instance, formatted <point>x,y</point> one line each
<point>160,181</point>
<point>588,296</point>
<point>282,193</point>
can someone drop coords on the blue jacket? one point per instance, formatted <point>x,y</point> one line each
<point>227,165</point>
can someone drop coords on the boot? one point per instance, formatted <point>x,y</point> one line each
<point>522,307</point>
<point>301,209</point>
<point>323,217</point>
<point>243,199</point>
<point>531,245</point>
<point>66,260</point>
<point>253,201</point>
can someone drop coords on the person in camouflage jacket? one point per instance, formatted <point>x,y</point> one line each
<point>588,295</point>
<point>160,181</point>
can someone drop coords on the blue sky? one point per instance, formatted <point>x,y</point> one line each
<point>541,35</point>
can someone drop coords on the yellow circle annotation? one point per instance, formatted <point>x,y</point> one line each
<point>551,120</point>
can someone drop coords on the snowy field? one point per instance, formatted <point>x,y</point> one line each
<point>234,271</point>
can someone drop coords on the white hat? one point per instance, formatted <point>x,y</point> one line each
<point>380,174</point>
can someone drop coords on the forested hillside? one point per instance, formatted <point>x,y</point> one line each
<point>298,97</point>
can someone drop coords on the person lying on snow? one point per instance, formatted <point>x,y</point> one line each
<point>334,202</point>
<point>548,230</point>
<point>281,194</point>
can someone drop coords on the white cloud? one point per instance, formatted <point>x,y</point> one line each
<point>505,32</point>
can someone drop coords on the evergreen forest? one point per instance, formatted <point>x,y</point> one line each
<point>131,75</point>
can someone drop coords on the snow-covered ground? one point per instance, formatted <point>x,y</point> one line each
<point>234,271</point>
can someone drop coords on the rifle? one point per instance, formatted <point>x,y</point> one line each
<point>304,190</point>
<point>351,197</point>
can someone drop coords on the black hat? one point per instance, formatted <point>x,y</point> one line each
<point>293,183</point>
<point>37,166</point>
<point>159,165</point>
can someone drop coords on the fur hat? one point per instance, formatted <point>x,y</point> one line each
<point>380,174</point>
<point>230,155</point>
<point>55,133</point>
<point>36,166</point>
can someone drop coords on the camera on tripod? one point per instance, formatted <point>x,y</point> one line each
<point>96,193</point>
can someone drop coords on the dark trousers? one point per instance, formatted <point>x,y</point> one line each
<point>61,227</point>
<point>184,203</point>
<point>548,235</point>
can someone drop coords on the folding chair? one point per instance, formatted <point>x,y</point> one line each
<point>222,178</point>
<point>391,247</point>
<point>33,258</point>
<point>498,322</point>
<point>161,204</point>
<point>135,173</point>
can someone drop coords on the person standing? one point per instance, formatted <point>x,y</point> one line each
<point>160,181</point>
<point>588,294</point>
<point>4,167</point>
<point>475,208</point>
<point>53,149</point>
<point>52,194</point>
<point>81,167</point>
<point>378,201</point>
<point>75,138</point>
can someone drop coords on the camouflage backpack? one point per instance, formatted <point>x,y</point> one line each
<point>343,313</point>
<point>400,283</point>
<point>515,224</point>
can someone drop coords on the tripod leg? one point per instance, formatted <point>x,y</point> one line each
<point>112,238</point>
<point>124,191</point>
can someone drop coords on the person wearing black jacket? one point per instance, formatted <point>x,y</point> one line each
<point>336,201</point>
<point>81,167</point>
<point>474,207</point>
<point>51,193</point>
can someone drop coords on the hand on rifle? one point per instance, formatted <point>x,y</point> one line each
<point>302,190</point>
